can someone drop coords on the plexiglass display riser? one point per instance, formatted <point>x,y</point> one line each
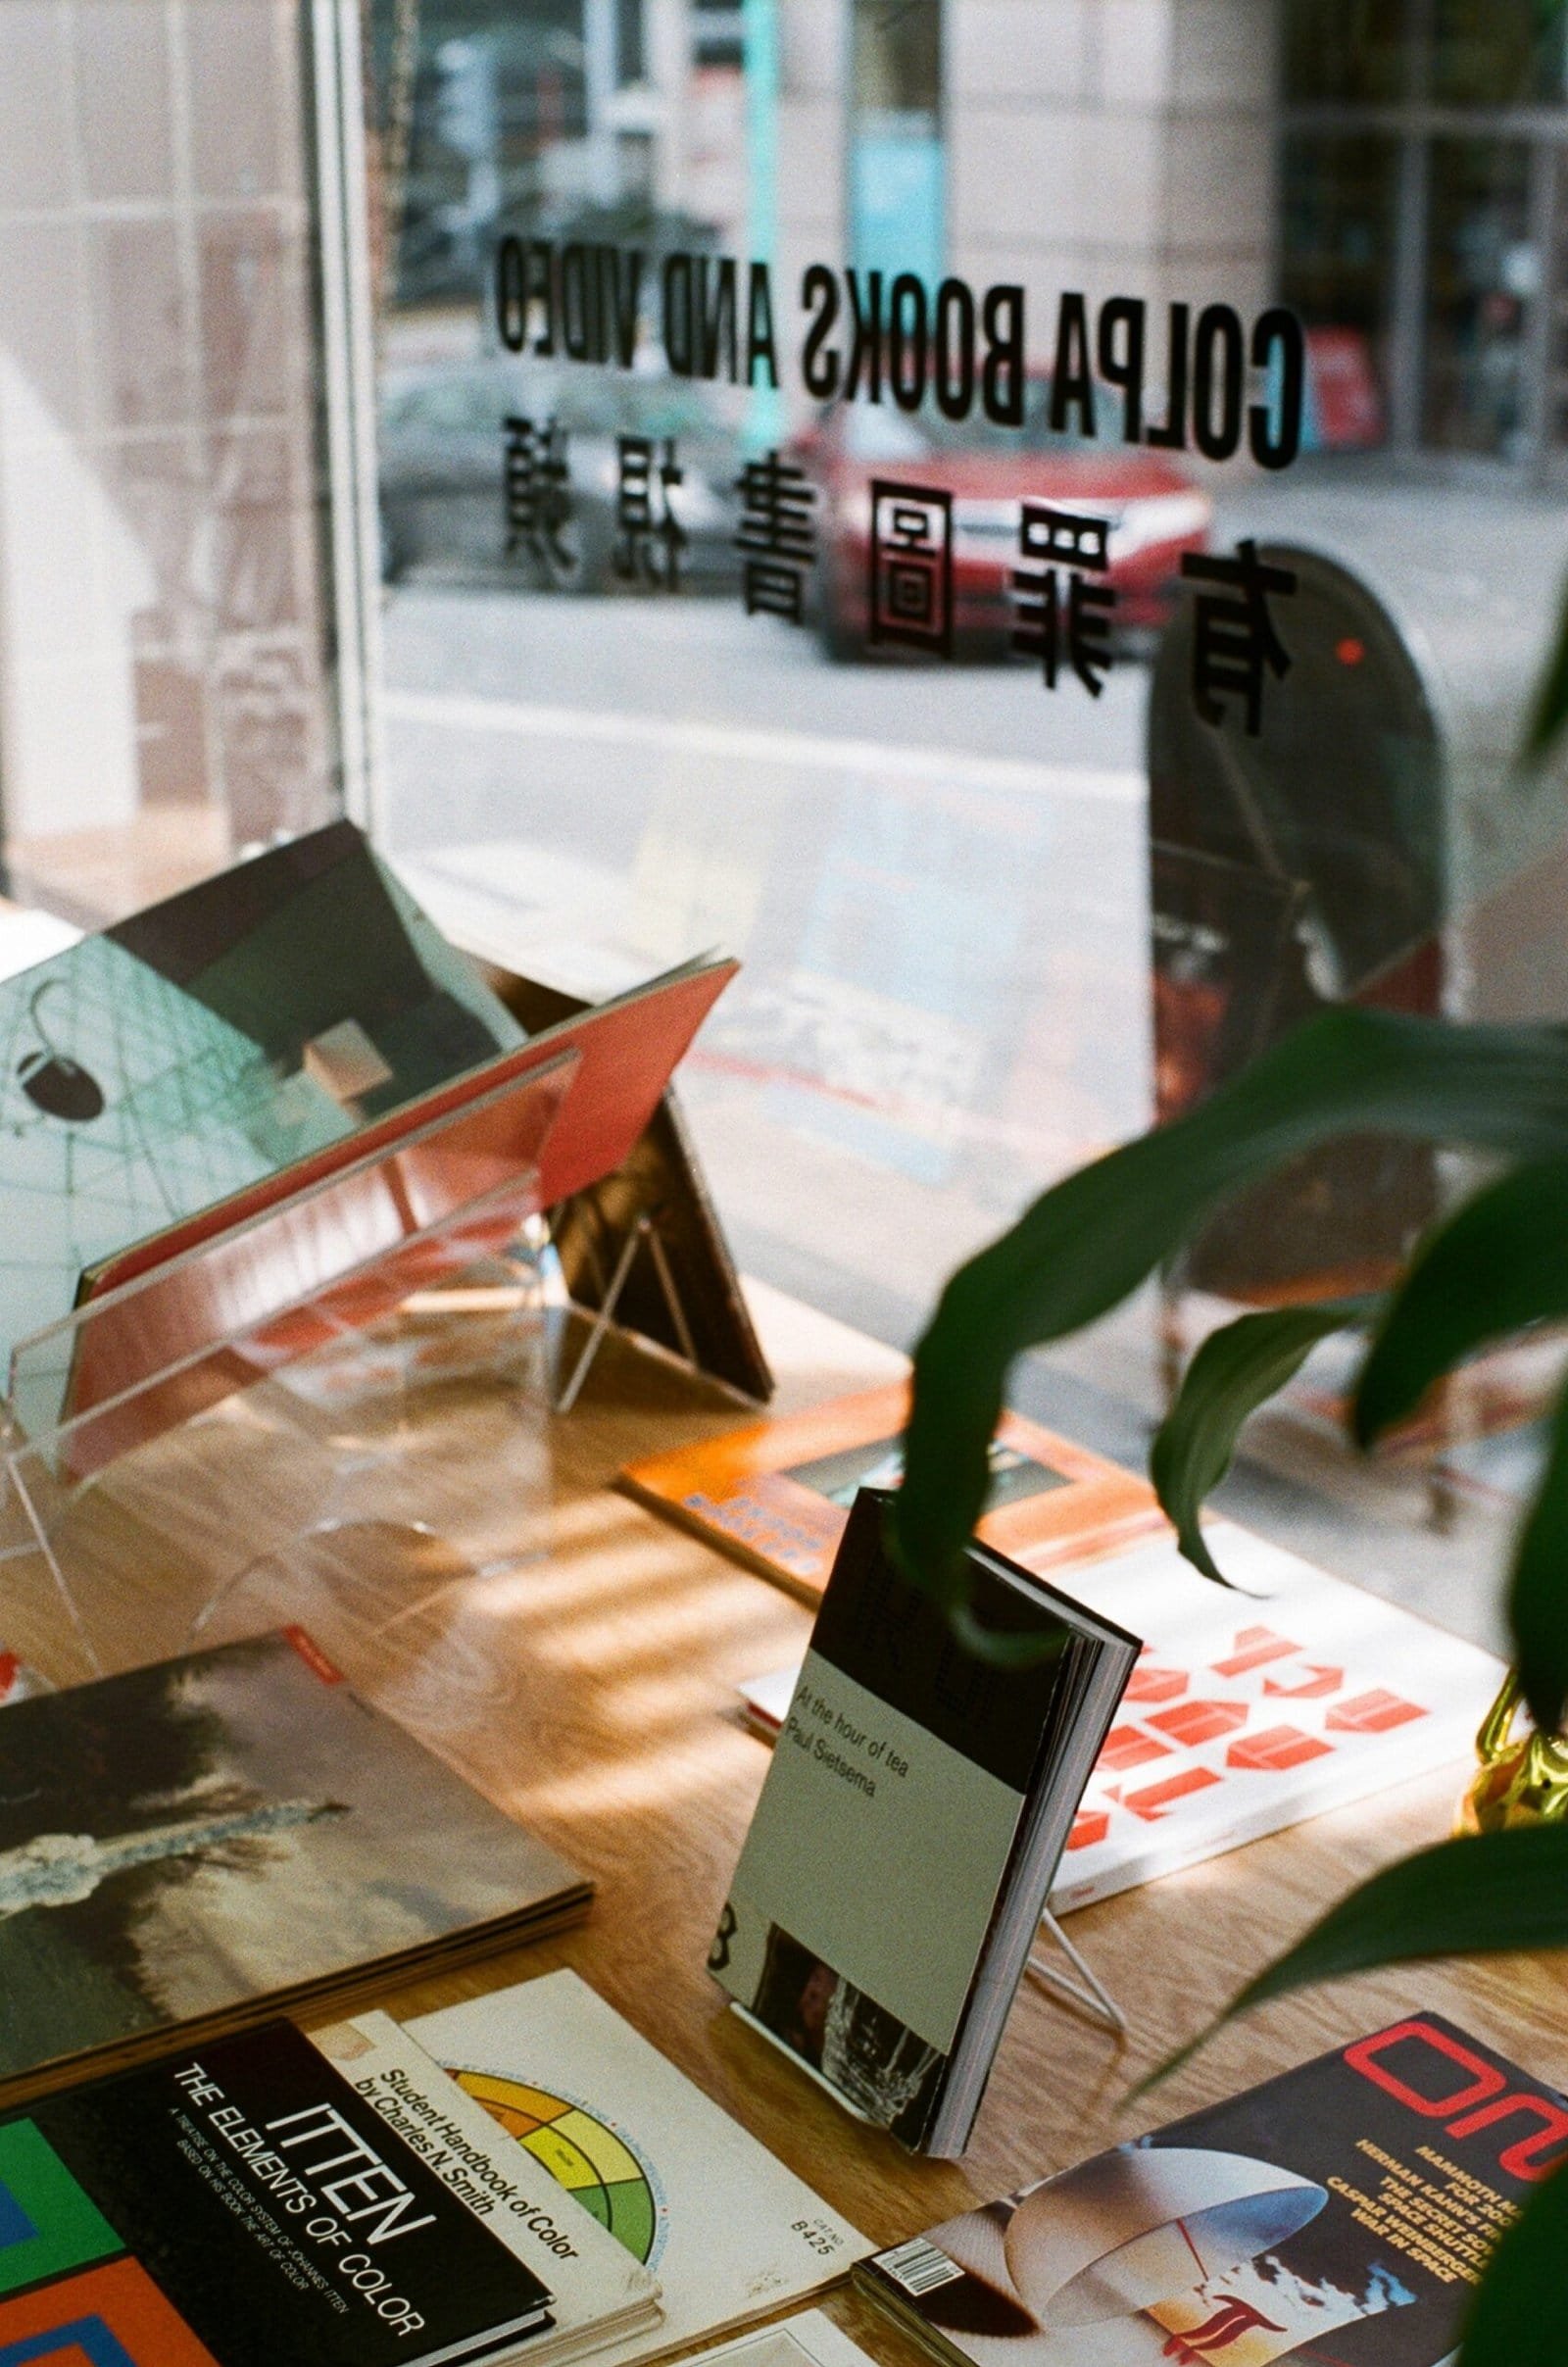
<point>361,1492</point>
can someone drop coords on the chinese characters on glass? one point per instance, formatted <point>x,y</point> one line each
<point>1062,610</point>
<point>775,538</point>
<point>911,567</point>
<point>1234,639</point>
<point>649,537</point>
<point>538,496</point>
<point>1063,593</point>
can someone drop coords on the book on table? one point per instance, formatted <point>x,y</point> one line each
<point>729,2230</point>
<point>776,1495</point>
<point>808,2339</point>
<point>205,1841</point>
<point>602,2298</point>
<point>1253,1705</point>
<point>239,2204</point>
<point>909,1768</point>
<point>1340,2214</point>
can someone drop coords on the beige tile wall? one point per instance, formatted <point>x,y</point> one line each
<point>161,574</point>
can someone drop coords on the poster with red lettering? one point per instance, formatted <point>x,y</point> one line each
<point>1256,1704</point>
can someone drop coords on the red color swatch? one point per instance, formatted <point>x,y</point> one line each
<point>1373,1713</point>
<point>1277,1748</point>
<point>1194,1722</point>
<point>1255,1647</point>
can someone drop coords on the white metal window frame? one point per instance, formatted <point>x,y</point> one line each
<point>347,351</point>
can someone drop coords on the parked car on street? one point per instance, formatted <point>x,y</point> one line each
<point>1154,512</point>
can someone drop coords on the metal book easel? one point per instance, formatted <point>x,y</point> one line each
<point>641,1234</point>
<point>1088,1991</point>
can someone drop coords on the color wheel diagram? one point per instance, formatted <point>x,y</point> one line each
<point>583,2153</point>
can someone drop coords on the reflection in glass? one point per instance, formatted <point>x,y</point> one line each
<point>1339,193</point>
<point>868,2052</point>
<point>938,871</point>
<point>163,568</point>
<point>1483,282</point>
<point>443,429</point>
<point>897,166</point>
<point>1499,53</point>
<point>1346,49</point>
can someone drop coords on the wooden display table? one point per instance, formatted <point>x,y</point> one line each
<point>616,1739</point>
<point>577,1660</point>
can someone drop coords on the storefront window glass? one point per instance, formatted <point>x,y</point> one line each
<point>837,503</point>
<point>1484,281</point>
<point>1349,50</point>
<point>1339,210</point>
<point>1500,53</point>
<point>897,178</point>
<point>165,596</point>
<point>1031,521</point>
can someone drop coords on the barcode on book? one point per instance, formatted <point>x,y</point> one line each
<point>918,2267</point>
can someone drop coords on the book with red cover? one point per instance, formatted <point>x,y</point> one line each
<point>334,1256</point>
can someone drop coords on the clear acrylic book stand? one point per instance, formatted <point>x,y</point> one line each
<point>282,1425</point>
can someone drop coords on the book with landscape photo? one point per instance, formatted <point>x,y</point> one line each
<point>728,2231</point>
<point>200,1842</point>
<point>1338,2216</point>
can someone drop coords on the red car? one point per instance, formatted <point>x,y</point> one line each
<point>988,472</point>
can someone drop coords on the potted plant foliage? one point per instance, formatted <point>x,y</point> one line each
<point>1491,1267</point>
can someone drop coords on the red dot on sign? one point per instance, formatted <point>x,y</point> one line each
<point>1349,650</point>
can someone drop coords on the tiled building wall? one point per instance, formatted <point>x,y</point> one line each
<point>1123,147</point>
<point>1120,146</point>
<point>161,590</point>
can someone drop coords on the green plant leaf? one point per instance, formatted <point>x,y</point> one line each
<point>1538,1586</point>
<point>1485,1895</point>
<point>1548,711</point>
<point>1236,1369</point>
<point>1096,1235</point>
<point>1500,1262</point>
<point>1516,2319</point>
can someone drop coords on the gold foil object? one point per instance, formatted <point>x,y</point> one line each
<point>1520,1781</point>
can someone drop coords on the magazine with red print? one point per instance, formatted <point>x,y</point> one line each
<point>1252,1707</point>
<point>1337,2216</point>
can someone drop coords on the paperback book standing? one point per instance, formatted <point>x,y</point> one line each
<point>907,1761</point>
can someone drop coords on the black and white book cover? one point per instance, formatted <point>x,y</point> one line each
<point>241,2205</point>
<point>910,1770</point>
